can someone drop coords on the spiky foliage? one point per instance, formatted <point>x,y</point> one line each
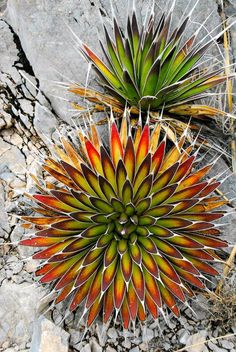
<point>153,68</point>
<point>127,229</point>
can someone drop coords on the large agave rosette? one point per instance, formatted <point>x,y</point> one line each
<point>126,228</point>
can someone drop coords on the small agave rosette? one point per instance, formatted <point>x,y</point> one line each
<point>127,228</point>
<point>153,66</point>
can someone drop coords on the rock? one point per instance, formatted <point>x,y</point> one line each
<point>197,339</point>
<point>135,349</point>
<point>112,333</point>
<point>166,346</point>
<point>227,344</point>
<point>101,333</point>
<point>148,335</point>
<point>86,348</point>
<point>9,53</point>
<point>184,336</point>
<point>12,162</point>
<point>45,123</point>
<point>31,266</point>
<point>18,309</point>
<point>110,349</point>
<point>4,226</point>
<point>14,264</point>
<point>95,347</point>
<point>215,348</point>
<point>47,337</point>
<point>143,346</point>
<point>16,235</point>
<point>126,343</point>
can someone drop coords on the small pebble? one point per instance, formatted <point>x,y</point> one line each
<point>135,349</point>
<point>227,344</point>
<point>86,348</point>
<point>183,337</point>
<point>110,349</point>
<point>126,343</point>
<point>112,333</point>
<point>215,348</point>
<point>95,347</point>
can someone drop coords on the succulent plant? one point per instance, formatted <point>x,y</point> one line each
<point>128,228</point>
<point>152,67</point>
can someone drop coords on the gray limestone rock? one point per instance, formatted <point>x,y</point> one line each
<point>184,336</point>
<point>95,347</point>
<point>12,162</point>
<point>45,123</point>
<point>47,337</point>
<point>196,342</point>
<point>4,226</point>
<point>18,310</point>
<point>86,348</point>
<point>214,348</point>
<point>227,344</point>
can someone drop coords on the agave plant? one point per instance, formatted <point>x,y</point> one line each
<point>152,67</point>
<point>126,229</point>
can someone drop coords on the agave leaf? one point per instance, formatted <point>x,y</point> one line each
<point>152,78</point>
<point>169,299</point>
<point>121,48</point>
<point>94,157</point>
<point>152,307</point>
<point>108,167</point>
<point>54,203</point>
<point>121,175</point>
<point>143,146</point>
<point>119,288</point>
<point>162,196</point>
<point>106,188</point>
<point>165,178</point>
<point>80,294</point>
<point>129,159</point>
<point>158,158</point>
<point>135,35</point>
<point>108,303</point>
<point>146,67</point>
<point>56,272</point>
<point>144,188</point>
<point>142,172</point>
<point>78,178</point>
<point>126,266</point>
<point>150,264</point>
<point>131,87</point>
<point>203,267</point>
<point>125,313</point>
<point>193,280</point>
<point>109,274</point>
<point>59,176</point>
<point>95,289</point>
<point>69,276</point>
<point>94,311</point>
<point>167,248</point>
<point>105,72</point>
<point>127,192</point>
<point>152,288</point>
<point>113,54</point>
<point>116,145</point>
